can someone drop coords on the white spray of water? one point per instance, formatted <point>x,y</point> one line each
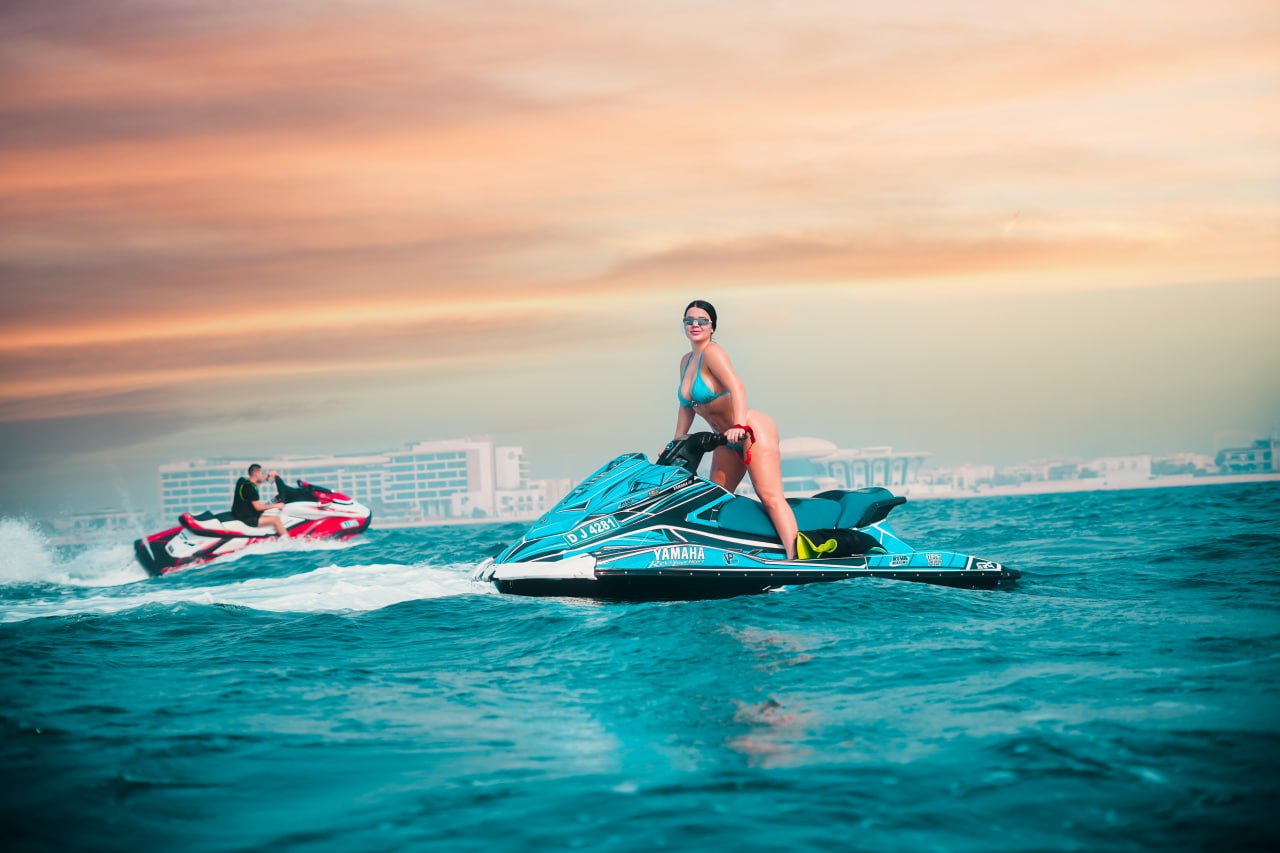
<point>329,589</point>
<point>24,553</point>
<point>27,556</point>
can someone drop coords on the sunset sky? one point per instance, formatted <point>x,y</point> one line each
<point>990,231</point>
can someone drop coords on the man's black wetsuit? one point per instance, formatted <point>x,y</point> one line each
<point>242,502</point>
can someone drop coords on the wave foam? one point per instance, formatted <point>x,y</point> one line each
<point>329,589</point>
<point>26,556</point>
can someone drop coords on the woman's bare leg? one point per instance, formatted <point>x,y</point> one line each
<point>766,479</point>
<point>727,469</point>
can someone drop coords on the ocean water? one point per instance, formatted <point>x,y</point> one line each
<point>1124,696</point>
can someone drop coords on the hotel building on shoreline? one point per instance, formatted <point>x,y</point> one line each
<point>812,465</point>
<point>451,479</point>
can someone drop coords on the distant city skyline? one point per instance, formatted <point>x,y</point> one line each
<point>144,498</point>
<point>994,234</point>
<point>472,479</point>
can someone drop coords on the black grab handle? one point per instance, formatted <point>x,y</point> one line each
<point>687,452</point>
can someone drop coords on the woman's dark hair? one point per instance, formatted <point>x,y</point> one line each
<point>705,306</point>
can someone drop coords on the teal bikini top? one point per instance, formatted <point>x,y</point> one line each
<point>700,393</point>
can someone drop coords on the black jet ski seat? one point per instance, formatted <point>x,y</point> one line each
<point>832,509</point>
<point>862,507</point>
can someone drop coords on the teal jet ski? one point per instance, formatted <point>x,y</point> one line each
<point>639,530</point>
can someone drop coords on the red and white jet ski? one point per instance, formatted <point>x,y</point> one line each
<point>310,512</point>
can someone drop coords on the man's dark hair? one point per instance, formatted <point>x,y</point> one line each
<point>254,467</point>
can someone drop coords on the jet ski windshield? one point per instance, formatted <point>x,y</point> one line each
<point>629,480</point>
<point>617,486</point>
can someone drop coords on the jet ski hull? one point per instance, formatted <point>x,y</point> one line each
<point>697,582</point>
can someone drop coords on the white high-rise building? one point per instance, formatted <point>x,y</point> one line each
<point>440,479</point>
<point>509,468</point>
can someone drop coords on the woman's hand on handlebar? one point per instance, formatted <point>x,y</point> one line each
<point>735,434</point>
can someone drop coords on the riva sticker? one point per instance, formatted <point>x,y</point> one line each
<point>899,560</point>
<point>591,529</point>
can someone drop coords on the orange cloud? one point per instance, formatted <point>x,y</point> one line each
<point>175,180</point>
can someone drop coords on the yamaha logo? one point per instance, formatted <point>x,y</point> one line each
<point>681,553</point>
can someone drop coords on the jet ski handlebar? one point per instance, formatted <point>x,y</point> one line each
<point>687,451</point>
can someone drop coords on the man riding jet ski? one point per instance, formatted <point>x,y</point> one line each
<point>308,511</point>
<point>637,530</point>
<point>247,506</point>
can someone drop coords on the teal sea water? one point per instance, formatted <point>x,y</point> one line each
<point>1124,696</point>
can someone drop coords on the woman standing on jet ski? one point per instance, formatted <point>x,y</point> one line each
<point>753,436</point>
